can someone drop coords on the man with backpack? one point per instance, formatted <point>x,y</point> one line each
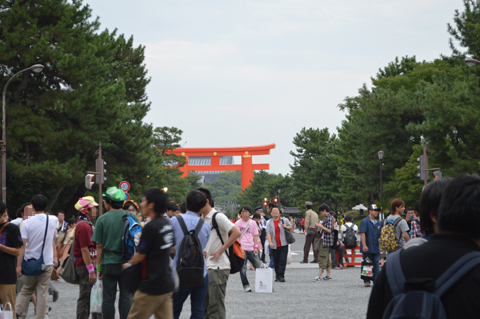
<point>222,235</point>
<point>348,233</point>
<point>154,294</point>
<point>108,235</point>
<point>441,276</point>
<point>191,236</point>
<point>370,229</point>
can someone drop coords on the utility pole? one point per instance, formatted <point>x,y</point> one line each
<point>425,163</point>
<point>100,177</point>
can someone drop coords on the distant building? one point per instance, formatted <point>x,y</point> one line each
<point>209,176</point>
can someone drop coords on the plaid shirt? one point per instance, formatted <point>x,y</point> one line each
<point>415,232</point>
<point>328,222</point>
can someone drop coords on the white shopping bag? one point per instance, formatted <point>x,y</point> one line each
<point>96,297</point>
<point>289,256</point>
<point>264,280</point>
<point>6,314</point>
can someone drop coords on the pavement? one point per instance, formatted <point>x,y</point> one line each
<point>342,297</point>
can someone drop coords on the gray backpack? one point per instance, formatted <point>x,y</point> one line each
<point>420,298</point>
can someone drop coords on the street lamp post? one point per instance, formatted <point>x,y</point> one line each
<point>380,157</point>
<point>472,62</point>
<point>36,68</point>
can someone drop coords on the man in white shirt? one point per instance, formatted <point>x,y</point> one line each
<point>218,264</point>
<point>34,230</point>
<point>343,230</point>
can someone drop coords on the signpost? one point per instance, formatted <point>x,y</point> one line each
<point>125,186</point>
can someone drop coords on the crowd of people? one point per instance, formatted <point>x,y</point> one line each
<point>188,251</point>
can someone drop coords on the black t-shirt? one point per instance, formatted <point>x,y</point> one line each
<point>9,237</point>
<point>431,260</point>
<point>156,241</point>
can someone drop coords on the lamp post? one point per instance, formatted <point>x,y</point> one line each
<point>472,62</point>
<point>35,68</point>
<point>380,157</point>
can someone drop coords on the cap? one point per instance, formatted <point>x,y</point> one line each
<point>308,203</point>
<point>373,207</point>
<point>116,194</point>
<point>86,201</point>
<point>259,208</point>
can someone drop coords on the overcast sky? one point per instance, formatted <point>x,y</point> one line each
<point>254,72</point>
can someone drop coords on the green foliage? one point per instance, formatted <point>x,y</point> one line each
<point>226,189</point>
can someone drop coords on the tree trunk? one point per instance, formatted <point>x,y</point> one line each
<point>70,209</point>
<point>53,198</point>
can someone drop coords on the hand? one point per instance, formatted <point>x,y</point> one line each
<point>216,255</point>
<point>255,251</point>
<point>19,271</point>
<point>365,248</point>
<point>92,278</point>
<point>271,245</point>
<point>55,262</point>
<point>100,277</point>
<point>205,255</point>
<point>338,243</point>
<point>284,226</point>
<point>125,265</point>
<point>407,218</point>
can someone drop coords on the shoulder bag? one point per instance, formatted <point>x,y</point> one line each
<point>35,267</point>
<point>69,274</point>
<point>288,235</point>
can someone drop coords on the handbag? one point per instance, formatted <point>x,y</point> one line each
<point>367,270</point>
<point>35,267</point>
<point>289,236</point>
<point>6,314</point>
<point>69,274</point>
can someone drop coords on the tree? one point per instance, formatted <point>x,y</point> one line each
<point>226,189</point>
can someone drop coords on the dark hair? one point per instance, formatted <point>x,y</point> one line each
<point>417,206</point>
<point>71,221</point>
<point>309,206</point>
<point>208,195</point>
<point>128,204</point>
<point>409,208</point>
<point>397,202</point>
<point>21,209</point>
<point>245,208</point>
<point>195,201</point>
<point>113,204</point>
<point>158,198</point>
<point>172,206</point>
<point>183,208</point>
<point>348,218</point>
<point>3,207</point>
<point>323,207</point>
<point>39,202</point>
<point>459,210</point>
<point>429,203</point>
<point>256,216</point>
<point>60,212</point>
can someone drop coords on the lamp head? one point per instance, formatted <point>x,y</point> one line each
<point>37,68</point>
<point>472,62</point>
<point>380,154</point>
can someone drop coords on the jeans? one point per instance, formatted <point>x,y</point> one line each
<point>376,264</point>
<point>112,276</point>
<point>263,234</point>
<point>280,260</point>
<point>197,298</point>
<point>333,256</point>
<point>83,302</point>
<point>271,264</point>
<point>249,255</point>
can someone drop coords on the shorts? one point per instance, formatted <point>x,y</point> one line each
<point>323,256</point>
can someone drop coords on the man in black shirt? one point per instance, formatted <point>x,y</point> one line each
<point>154,296</point>
<point>10,243</point>
<point>458,224</point>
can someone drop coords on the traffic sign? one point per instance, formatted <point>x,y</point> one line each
<point>128,195</point>
<point>124,186</point>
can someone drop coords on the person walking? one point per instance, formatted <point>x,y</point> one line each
<point>311,218</point>
<point>38,234</point>
<point>10,246</point>
<point>108,236</point>
<point>276,228</point>
<point>370,230</point>
<point>85,254</point>
<point>154,295</point>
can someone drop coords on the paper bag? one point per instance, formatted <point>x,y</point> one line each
<point>6,314</point>
<point>367,272</point>
<point>263,280</point>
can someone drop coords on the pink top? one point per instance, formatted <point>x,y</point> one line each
<point>247,239</point>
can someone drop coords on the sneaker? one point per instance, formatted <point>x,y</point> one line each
<point>281,279</point>
<point>336,268</point>
<point>316,279</point>
<point>248,289</point>
<point>327,278</point>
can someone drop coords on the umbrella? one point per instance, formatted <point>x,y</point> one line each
<point>359,206</point>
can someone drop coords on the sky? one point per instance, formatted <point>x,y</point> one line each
<point>255,72</point>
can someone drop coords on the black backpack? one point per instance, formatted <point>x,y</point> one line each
<point>190,262</point>
<point>349,239</point>
<point>420,298</point>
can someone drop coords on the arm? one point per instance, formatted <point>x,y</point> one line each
<point>405,235</point>
<point>20,258</point>
<point>235,233</point>
<point>99,259</point>
<point>364,242</point>
<point>136,259</point>
<point>88,261</point>
<point>55,259</point>
<point>269,238</point>
<point>14,251</point>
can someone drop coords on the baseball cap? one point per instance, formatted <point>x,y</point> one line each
<point>86,201</point>
<point>373,207</point>
<point>116,194</point>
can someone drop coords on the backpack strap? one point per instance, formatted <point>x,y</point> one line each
<point>456,272</point>
<point>182,224</point>
<point>215,226</point>
<point>199,226</point>
<point>395,276</point>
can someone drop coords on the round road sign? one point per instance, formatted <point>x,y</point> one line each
<point>128,195</point>
<point>124,186</point>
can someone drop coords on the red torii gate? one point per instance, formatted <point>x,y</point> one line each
<point>247,167</point>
